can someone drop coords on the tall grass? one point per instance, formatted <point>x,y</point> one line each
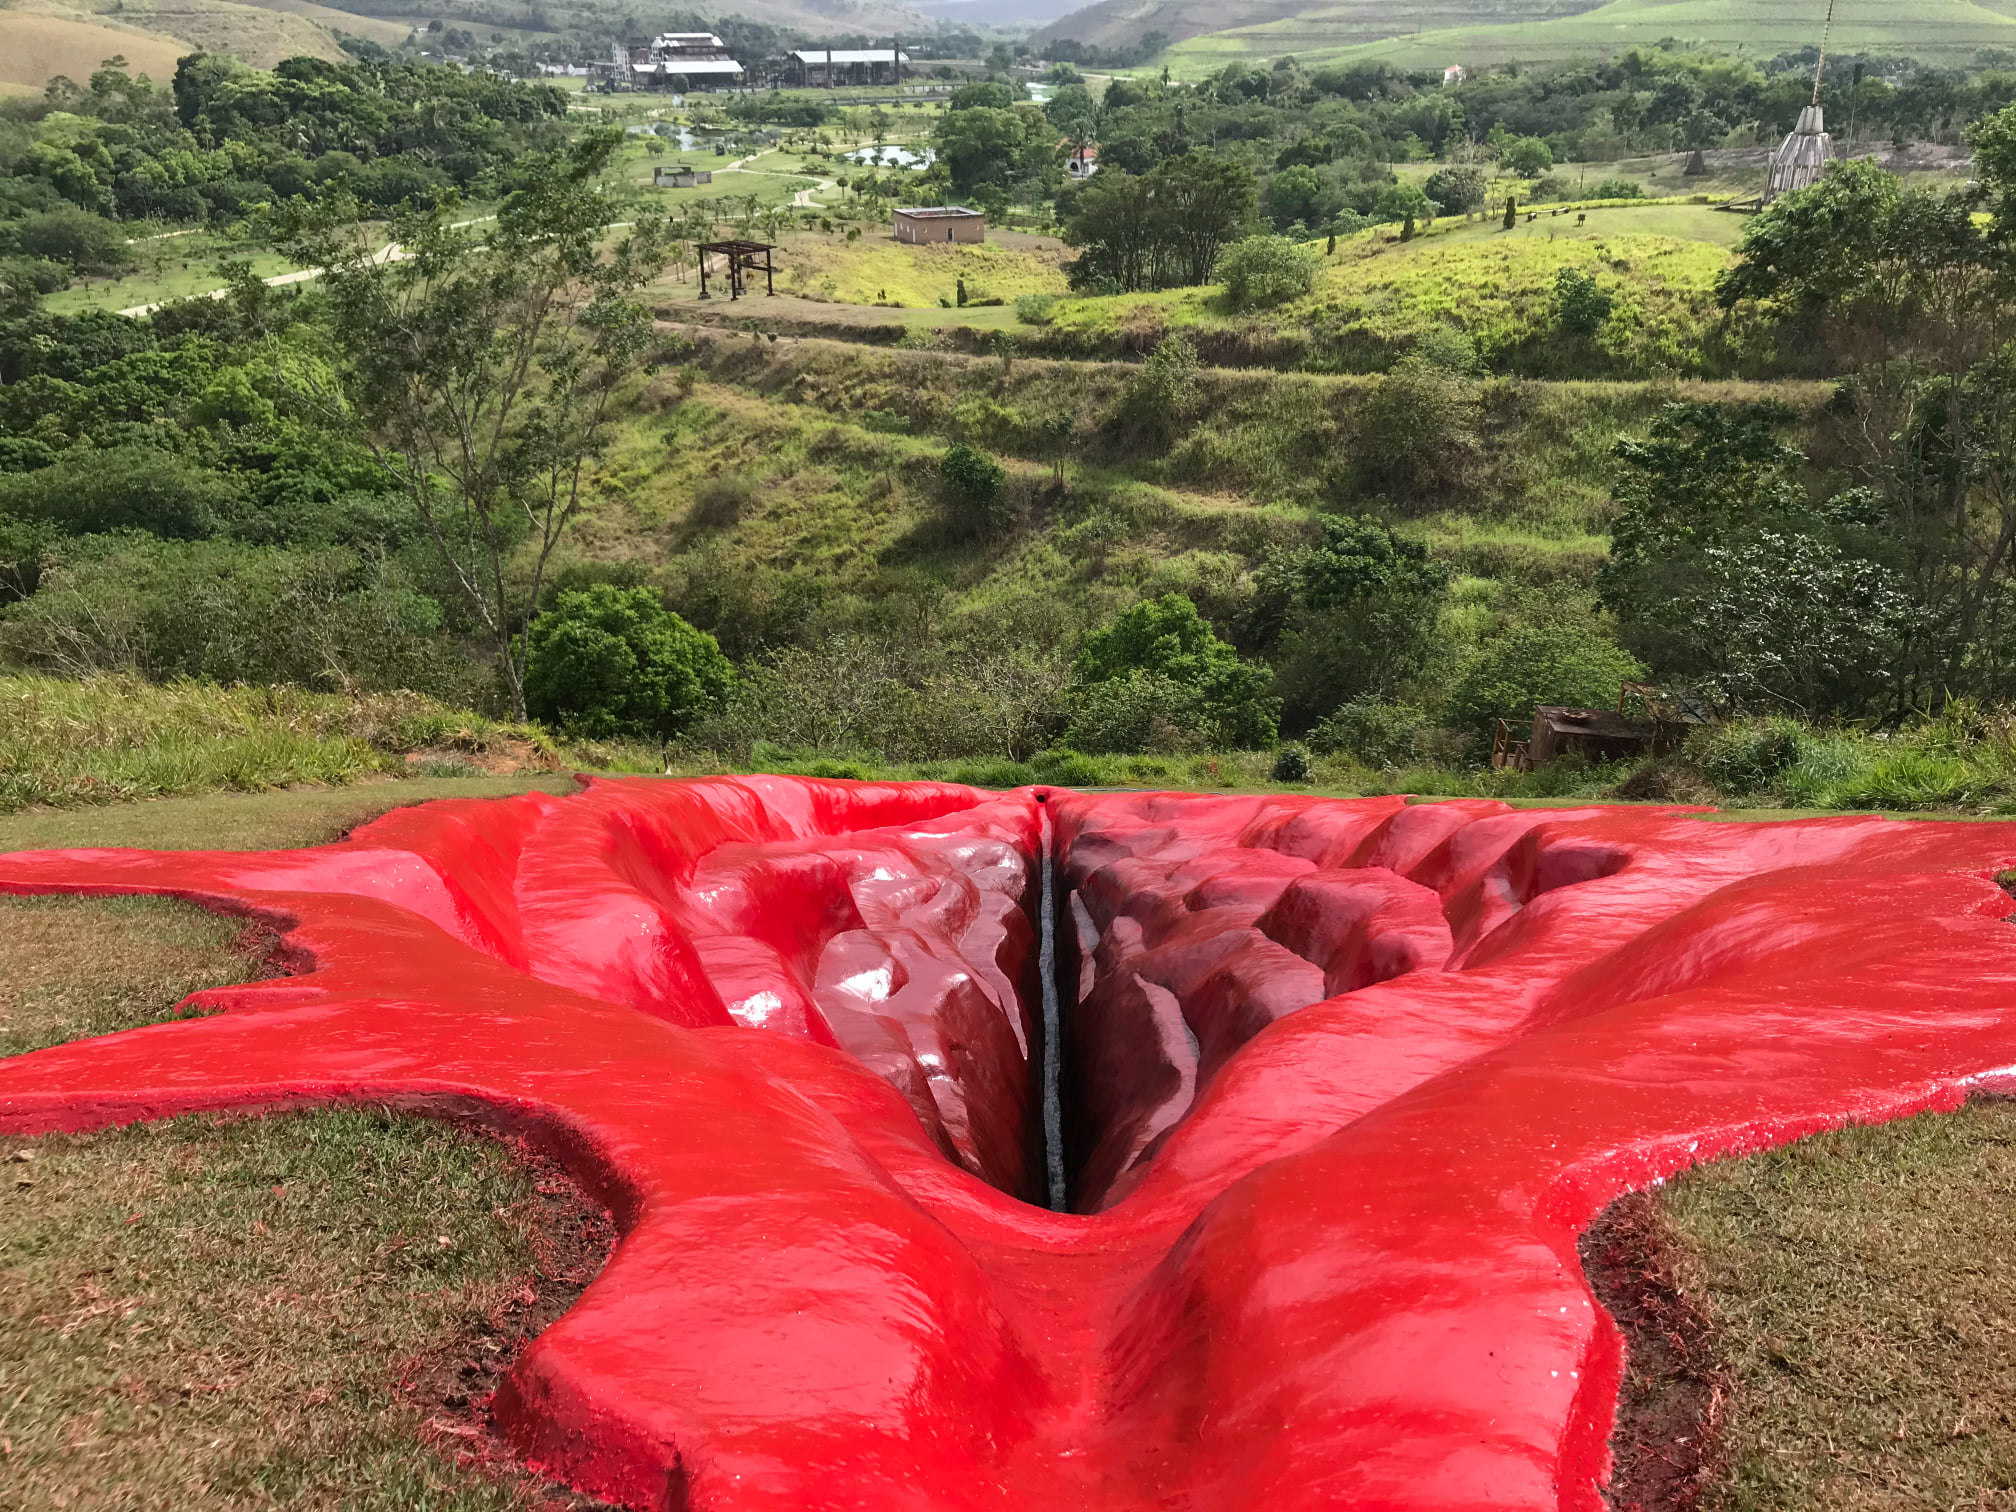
<point>115,738</point>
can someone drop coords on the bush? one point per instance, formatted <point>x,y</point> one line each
<point>614,661</point>
<point>1457,190</point>
<point>1564,664</point>
<point>979,483</point>
<point>1291,765</point>
<point>1159,399</point>
<point>87,491</point>
<point>721,502</point>
<point>1553,189</point>
<point>1616,189</point>
<point>1372,731</point>
<point>89,243</point>
<point>1450,349</point>
<point>1267,270</point>
<point>1066,768</point>
<point>1581,305</point>
<point>1747,756</point>
<point>1159,679</point>
<point>1417,430</point>
<point>1035,309</point>
<point>227,613</point>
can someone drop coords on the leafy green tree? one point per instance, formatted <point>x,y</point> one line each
<point>481,369</point>
<point>1355,615</point>
<point>89,243</point>
<point>1529,157</point>
<point>1161,660</point>
<point>1725,578</point>
<point>1296,193</point>
<point>1267,270</point>
<point>1819,244</point>
<point>1458,190</point>
<point>978,484</point>
<point>980,145</point>
<point>611,662</point>
<point>1403,202</point>
<point>1531,666</point>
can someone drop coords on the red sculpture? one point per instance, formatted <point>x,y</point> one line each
<point>1337,1085</point>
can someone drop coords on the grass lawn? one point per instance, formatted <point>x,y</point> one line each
<point>299,1311</point>
<point>1859,1293</point>
<point>173,268</point>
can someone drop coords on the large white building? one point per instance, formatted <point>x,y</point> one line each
<point>700,58</point>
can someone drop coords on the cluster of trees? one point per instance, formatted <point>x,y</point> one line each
<point>80,165</point>
<point>1875,576</point>
<point>1320,145</point>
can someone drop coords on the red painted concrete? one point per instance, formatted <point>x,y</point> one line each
<point>1344,1080</point>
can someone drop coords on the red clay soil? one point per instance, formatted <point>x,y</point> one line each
<point>1668,1441</point>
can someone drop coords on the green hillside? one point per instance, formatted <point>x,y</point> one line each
<point>1950,29</point>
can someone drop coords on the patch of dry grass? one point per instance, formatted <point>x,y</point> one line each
<point>1862,1287</point>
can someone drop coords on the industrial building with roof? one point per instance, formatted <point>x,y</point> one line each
<point>829,67</point>
<point>940,223</point>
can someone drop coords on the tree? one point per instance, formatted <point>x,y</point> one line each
<point>1202,203</point>
<point>1532,666</point>
<point>480,367</point>
<point>611,662</point>
<point>978,482</point>
<point>1161,657</point>
<point>1267,270</point>
<point>1581,305</point>
<point>979,145</point>
<point>1354,615</point>
<point>1159,398</point>
<point>1403,202</point>
<point>1457,190</point>
<point>1529,157</point>
<point>1296,193</point>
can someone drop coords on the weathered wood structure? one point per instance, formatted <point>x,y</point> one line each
<point>741,258</point>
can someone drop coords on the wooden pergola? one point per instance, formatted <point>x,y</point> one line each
<point>743,257</point>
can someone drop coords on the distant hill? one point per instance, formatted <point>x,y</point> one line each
<point>1931,29</point>
<point>1341,23</point>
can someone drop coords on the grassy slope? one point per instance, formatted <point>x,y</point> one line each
<point>1953,29</point>
<point>1377,294</point>
<point>1118,23</point>
<point>1861,1288</point>
<point>34,47</point>
<point>66,743</point>
<point>877,268</point>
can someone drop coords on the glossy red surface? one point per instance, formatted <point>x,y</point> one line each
<point>1342,1082</point>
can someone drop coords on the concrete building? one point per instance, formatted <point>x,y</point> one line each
<point>940,223</point>
<point>1082,162</point>
<point>1455,73</point>
<point>828,67</point>
<point>680,176</point>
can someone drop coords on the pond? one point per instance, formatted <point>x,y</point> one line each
<point>895,157</point>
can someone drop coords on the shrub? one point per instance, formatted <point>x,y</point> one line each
<point>1457,190</point>
<point>1581,305</point>
<point>1160,397</point>
<point>226,613</point>
<point>614,661</point>
<point>89,243</point>
<point>1066,768</point>
<point>1616,189</point>
<point>1373,731</point>
<point>1158,678</point>
<point>1417,429</point>
<point>977,482</point>
<point>1267,270</point>
<point>1552,189</point>
<point>1450,349</point>
<point>721,502</point>
<point>87,491</point>
<point>1291,765</point>
<point>1746,756</point>
<point>1558,664</point>
<point>1035,309</point>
